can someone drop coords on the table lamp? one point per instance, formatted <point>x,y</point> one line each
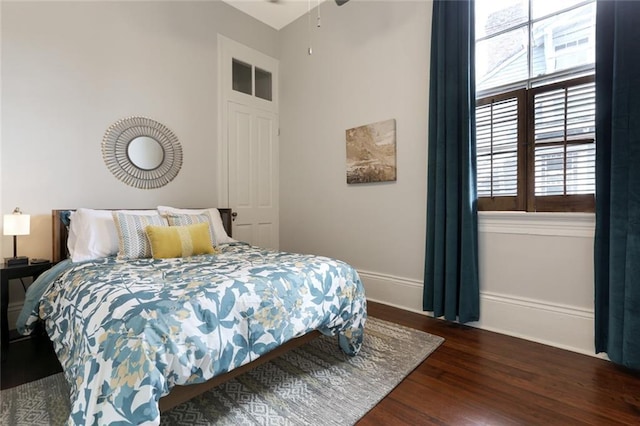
<point>16,224</point>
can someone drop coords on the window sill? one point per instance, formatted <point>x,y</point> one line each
<point>551,224</point>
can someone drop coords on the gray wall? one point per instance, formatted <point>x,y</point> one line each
<point>71,69</point>
<point>370,62</point>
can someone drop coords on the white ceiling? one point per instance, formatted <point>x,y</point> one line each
<point>276,13</point>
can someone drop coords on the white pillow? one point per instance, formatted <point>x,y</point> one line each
<point>219,233</point>
<point>93,234</point>
<point>71,235</point>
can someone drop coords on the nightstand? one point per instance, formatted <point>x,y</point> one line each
<point>9,273</point>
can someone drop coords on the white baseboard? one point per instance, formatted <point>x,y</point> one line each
<point>562,326</point>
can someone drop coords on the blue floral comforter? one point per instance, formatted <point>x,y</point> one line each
<point>126,332</point>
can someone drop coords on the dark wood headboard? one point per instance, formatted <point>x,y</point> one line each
<point>61,233</point>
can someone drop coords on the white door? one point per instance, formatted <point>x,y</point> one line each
<point>248,142</point>
<point>253,174</point>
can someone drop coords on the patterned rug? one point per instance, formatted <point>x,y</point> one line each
<point>314,384</point>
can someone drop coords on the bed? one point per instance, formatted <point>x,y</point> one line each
<point>137,336</point>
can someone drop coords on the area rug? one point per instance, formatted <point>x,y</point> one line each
<point>311,385</point>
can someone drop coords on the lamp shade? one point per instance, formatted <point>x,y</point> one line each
<point>16,223</point>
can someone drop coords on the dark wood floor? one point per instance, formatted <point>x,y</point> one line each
<point>479,377</point>
<point>475,377</point>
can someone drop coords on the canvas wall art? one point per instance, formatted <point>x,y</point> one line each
<point>371,152</point>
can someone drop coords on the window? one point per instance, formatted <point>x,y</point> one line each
<point>535,111</point>
<point>242,80</point>
<point>241,77</point>
<point>263,84</point>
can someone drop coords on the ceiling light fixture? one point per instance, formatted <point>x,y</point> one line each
<point>318,23</point>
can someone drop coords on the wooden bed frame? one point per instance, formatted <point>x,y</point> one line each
<point>180,394</point>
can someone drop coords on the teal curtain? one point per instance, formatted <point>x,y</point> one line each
<point>617,238</point>
<point>451,266</point>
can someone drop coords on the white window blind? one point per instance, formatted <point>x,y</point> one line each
<point>564,135</point>
<point>497,148</point>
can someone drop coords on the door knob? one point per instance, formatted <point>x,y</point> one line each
<point>234,215</point>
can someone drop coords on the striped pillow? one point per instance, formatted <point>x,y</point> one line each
<point>176,219</point>
<point>132,239</point>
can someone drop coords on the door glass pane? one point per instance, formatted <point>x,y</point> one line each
<point>241,77</point>
<point>263,84</point>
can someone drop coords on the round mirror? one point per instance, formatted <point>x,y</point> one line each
<point>142,152</point>
<point>145,153</point>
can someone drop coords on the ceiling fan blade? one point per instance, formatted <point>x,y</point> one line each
<point>341,2</point>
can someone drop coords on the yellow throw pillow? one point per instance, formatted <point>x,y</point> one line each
<point>179,241</point>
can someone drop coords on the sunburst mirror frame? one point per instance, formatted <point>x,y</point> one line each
<point>115,152</point>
